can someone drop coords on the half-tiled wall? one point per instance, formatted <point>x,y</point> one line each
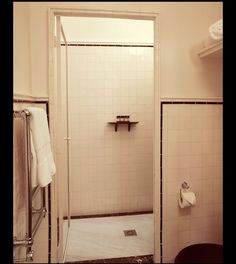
<point>110,172</point>
<point>191,152</point>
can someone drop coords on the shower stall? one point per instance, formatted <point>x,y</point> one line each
<point>104,170</point>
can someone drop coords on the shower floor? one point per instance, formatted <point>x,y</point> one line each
<point>104,238</point>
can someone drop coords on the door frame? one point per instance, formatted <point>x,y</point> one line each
<point>60,33</point>
<point>155,17</point>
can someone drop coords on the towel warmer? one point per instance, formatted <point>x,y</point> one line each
<point>31,194</point>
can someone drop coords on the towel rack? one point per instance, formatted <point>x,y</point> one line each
<point>31,230</point>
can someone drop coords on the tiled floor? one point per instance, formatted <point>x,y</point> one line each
<point>147,259</point>
<point>103,238</point>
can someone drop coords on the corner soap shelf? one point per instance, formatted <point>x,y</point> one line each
<point>121,122</point>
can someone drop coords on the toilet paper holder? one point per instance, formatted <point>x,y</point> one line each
<point>185,185</point>
<point>186,198</point>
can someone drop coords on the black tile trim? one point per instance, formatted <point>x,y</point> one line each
<point>161,161</point>
<point>49,224</point>
<point>58,231</point>
<point>107,45</point>
<point>161,202</point>
<point>190,102</point>
<point>108,215</point>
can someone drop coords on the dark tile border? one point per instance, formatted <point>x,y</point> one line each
<point>190,102</point>
<point>132,259</point>
<point>161,155</point>
<point>107,45</point>
<point>108,215</point>
<point>49,224</point>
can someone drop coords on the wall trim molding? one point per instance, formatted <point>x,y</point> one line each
<point>108,215</point>
<point>108,44</point>
<point>192,100</point>
<point>155,17</point>
<point>18,96</point>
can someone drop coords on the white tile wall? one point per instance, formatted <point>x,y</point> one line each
<point>192,152</point>
<point>110,171</point>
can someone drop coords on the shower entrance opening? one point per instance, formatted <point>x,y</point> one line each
<point>106,190</point>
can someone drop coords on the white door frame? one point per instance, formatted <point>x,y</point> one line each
<point>52,94</point>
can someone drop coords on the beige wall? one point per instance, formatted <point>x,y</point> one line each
<point>21,49</point>
<point>183,28</point>
<point>95,29</point>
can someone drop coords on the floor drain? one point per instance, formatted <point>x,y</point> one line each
<point>131,232</point>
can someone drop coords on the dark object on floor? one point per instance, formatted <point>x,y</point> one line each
<point>136,259</point>
<point>201,253</point>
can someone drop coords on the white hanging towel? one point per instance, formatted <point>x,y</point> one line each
<point>33,163</point>
<point>45,166</point>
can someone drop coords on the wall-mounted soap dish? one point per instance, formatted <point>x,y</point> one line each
<point>122,120</point>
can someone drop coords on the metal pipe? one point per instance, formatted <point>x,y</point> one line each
<point>35,191</point>
<point>28,169</point>
<point>29,257</point>
<point>42,215</point>
<point>28,241</point>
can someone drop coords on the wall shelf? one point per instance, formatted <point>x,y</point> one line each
<point>117,123</point>
<point>212,51</point>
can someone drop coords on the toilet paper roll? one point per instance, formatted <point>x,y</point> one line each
<point>187,199</point>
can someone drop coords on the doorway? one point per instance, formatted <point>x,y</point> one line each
<point>110,79</point>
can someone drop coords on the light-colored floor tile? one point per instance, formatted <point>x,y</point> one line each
<point>100,238</point>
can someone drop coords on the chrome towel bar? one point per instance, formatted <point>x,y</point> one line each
<point>31,194</point>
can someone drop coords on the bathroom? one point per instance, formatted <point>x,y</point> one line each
<point>163,80</point>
